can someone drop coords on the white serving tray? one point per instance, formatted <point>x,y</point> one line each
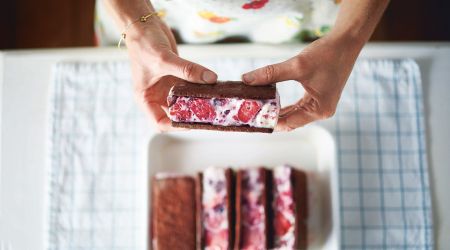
<point>312,148</point>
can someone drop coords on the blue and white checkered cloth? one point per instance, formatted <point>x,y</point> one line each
<point>97,176</point>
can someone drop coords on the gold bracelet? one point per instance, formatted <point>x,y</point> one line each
<point>142,19</point>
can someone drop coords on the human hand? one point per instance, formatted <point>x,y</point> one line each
<point>322,68</point>
<point>155,66</point>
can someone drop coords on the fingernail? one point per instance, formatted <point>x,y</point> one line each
<point>209,77</point>
<point>248,78</point>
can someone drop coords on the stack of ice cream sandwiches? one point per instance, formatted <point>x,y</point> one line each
<point>220,208</point>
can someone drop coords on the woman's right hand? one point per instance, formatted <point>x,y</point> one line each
<point>156,66</point>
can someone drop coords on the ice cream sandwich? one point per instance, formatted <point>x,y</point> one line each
<point>252,209</point>
<point>215,209</point>
<point>225,106</point>
<point>173,212</point>
<point>289,208</point>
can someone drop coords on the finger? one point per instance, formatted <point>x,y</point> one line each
<point>166,125</point>
<point>166,110</point>
<point>287,70</point>
<point>157,115</point>
<point>305,102</point>
<point>298,114</point>
<point>287,110</point>
<point>188,71</point>
<point>295,119</point>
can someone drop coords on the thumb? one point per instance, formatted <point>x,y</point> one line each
<point>269,74</point>
<point>189,71</point>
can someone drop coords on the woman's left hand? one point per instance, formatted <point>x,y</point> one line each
<point>322,68</point>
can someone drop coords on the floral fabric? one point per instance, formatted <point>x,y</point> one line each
<point>267,21</point>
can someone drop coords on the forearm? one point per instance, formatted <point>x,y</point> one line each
<point>126,11</point>
<point>357,20</point>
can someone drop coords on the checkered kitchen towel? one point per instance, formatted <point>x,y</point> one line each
<point>97,197</point>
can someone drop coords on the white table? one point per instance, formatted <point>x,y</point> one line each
<point>24,84</point>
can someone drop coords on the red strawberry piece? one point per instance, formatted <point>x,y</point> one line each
<point>248,110</point>
<point>202,109</point>
<point>246,6</point>
<point>279,202</point>
<point>208,238</point>
<point>282,225</point>
<point>283,203</point>
<point>253,216</point>
<point>287,193</point>
<point>217,240</point>
<point>180,110</point>
<point>256,4</point>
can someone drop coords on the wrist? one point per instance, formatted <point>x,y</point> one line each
<point>140,30</point>
<point>125,12</point>
<point>349,42</point>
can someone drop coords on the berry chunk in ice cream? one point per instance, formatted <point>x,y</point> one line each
<point>202,108</point>
<point>180,111</point>
<point>248,110</point>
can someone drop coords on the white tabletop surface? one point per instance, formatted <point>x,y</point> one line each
<point>24,84</point>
